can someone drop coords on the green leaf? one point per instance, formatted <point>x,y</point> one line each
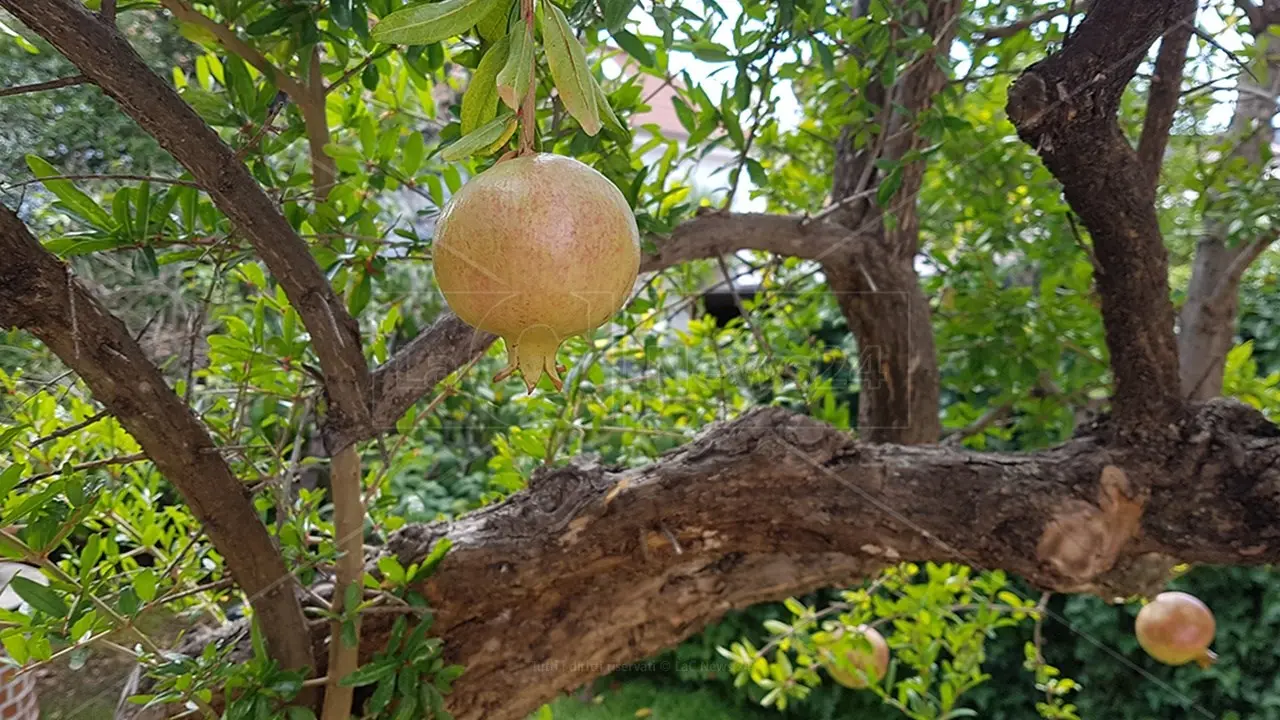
<point>513,79</point>
<point>569,69</point>
<point>273,21</point>
<point>371,673</point>
<point>297,712</point>
<point>144,583</point>
<point>889,186</point>
<point>494,24</point>
<point>616,12</point>
<point>480,101</point>
<point>611,120</point>
<point>10,476</point>
<point>414,151</point>
<point>369,77</point>
<point>76,201</point>
<point>340,13</point>
<point>16,646</point>
<point>756,171</point>
<point>634,46</point>
<point>39,596</point>
<point>6,438</point>
<point>483,138</point>
<point>431,22</point>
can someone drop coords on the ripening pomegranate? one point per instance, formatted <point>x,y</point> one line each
<point>1176,628</point>
<point>536,249</point>
<point>873,661</point>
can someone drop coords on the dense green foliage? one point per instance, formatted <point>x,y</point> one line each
<point>1015,318</point>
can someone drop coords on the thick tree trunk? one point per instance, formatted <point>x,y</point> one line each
<point>874,280</point>
<point>1207,323</point>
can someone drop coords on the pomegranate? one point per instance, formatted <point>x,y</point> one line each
<point>854,662</point>
<point>536,249</point>
<point>1175,629</point>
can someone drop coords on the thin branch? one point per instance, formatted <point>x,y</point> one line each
<point>232,42</point>
<point>1014,28</point>
<point>108,60</point>
<point>348,528</point>
<point>41,86</point>
<point>110,176</point>
<point>91,465</point>
<point>63,432</point>
<point>1162,100</point>
<point>1231,278</point>
<point>39,294</point>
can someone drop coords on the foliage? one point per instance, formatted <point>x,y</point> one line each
<point>416,102</point>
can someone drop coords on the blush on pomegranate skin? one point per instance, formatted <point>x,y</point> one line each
<point>536,249</point>
<point>1176,628</point>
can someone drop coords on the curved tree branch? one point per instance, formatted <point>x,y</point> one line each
<point>591,567</point>
<point>107,59</point>
<point>1065,107</point>
<point>38,294</point>
<point>712,234</point>
<point>449,343</point>
<point>1162,99</point>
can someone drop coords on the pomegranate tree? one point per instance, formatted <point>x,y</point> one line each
<point>857,659</point>
<point>1176,628</point>
<point>536,249</point>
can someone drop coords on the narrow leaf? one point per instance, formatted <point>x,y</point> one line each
<point>71,196</point>
<point>616,12</point>
<point>39,597</point>
<point>494,24</point>
<point>480,101</point>
<point>483,137</point>
<point>569,70</point>
<point>513,79</point>
<point>432,22</point>
<point>340,13</point>
<point>610,118</point>
<point>634,47</point>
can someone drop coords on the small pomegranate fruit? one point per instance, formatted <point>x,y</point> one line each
<point>536,249</point>
<point>1176,628</point>
<point>853,663</point>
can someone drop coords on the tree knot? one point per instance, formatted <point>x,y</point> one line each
<point>1083,540</point>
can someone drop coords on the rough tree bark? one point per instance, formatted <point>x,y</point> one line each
<point>591,566</point>
<point>1207,323</point>
<point>875,281</point>
<point>1065,107</point>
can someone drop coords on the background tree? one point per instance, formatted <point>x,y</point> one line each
<point>887,300</point>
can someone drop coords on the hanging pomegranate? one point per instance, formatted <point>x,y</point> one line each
<point>536,249</point>
<point>1176,628</point>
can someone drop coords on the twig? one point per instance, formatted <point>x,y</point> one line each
<point>1014,28</point>
<point>989,418</point>
<point>142,178</point>
<point>116,460</point>
<point>63,432</point>
<point>47,85</point>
